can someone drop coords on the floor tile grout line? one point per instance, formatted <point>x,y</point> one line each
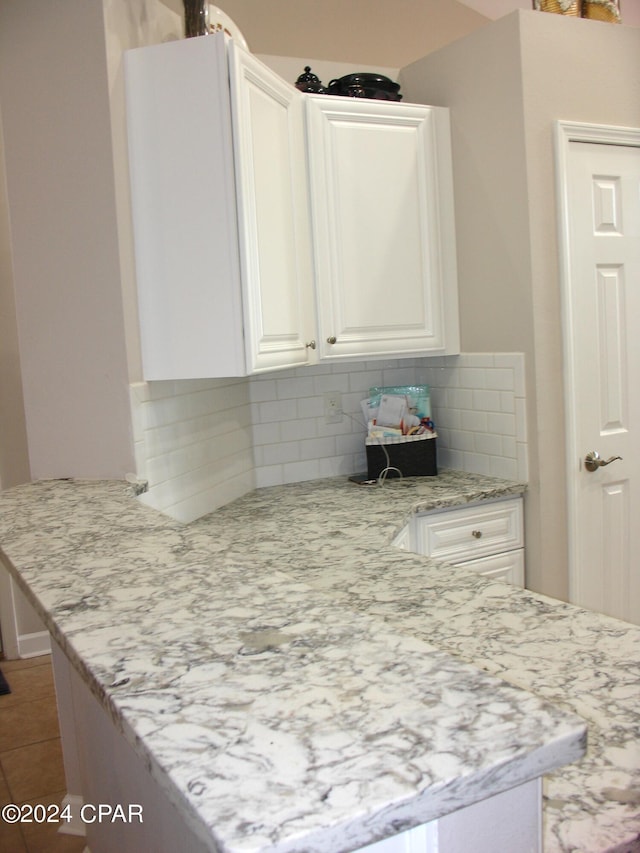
<point>26,745</point>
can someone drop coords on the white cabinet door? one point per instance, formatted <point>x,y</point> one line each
<point>508,567</point>
<point>273,212</point>
<point>220,224</point>
<point>383,228</point>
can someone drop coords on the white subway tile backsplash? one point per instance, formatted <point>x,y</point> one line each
<point>294,387</point>
<point>262,391</point>
<point>459,398</point>
<point>193,444</point>
<point>311,407</point>
<point>502,379</point>
<point>444,376</point>
<point>472,359</point>
<point>331,382</point>
<point>448,458</point>
<point>473,377</point>
<point>364,379</point>
<point>477,463</point>
<point>399,376</point>
<point>521,419</point>
<point>487,401</point>
<point>502,424</point>
<point>297,472</point>
<point>474,421</point>
<point>269,475</point>
<point>350,444</point>
<point>317,448</point>
<point>295,430</point>
<point>202,443</point>
<point>507,402</point>
<point>333,466</point>
<point>486,426</point>
<point>460,440</point>
<point>275,454</point>
<point>277,410</point>
<point>488,443</point>
<point>270,433</point>
<point>508,447</point>
<point>505,468</point>
<point>522,460</point>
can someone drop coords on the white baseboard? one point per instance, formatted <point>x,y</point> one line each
<point>75,826</point>
<point>33,645</point>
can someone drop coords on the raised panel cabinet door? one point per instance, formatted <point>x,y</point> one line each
<point>508,567</point>
<point>383,228</point>
<point>273,215</point>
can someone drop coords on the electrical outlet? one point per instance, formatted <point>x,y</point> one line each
<point>333,407</point>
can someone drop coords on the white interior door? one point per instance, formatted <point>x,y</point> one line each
<point>600,193</point>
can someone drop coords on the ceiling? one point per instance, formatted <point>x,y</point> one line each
<point>492,9</point>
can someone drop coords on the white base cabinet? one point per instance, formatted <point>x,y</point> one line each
<point>102,768</point>
<point>511,821</point>
<point>383,228</point>
<point>220,212</point>
<point>487,538</point>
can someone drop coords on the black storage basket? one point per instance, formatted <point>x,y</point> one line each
<point>413,456</point>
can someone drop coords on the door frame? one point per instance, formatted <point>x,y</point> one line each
<point>565,133</point>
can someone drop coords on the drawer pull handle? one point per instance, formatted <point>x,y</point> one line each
<point>476,534</point>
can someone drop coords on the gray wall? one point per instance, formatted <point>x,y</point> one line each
<point>506,85</point>
<point>59,166</point>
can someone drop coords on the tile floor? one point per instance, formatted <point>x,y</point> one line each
<point>31,768</point>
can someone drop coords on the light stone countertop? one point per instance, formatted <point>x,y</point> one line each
<point>295,683</point>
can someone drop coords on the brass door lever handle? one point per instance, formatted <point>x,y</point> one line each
<point>593,460</point>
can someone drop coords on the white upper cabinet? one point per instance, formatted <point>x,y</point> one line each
<point>383,228</point>
<point>266,220</point>
<point>220,212</point>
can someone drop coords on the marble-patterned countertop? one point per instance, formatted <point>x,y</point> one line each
<point>296,683</point>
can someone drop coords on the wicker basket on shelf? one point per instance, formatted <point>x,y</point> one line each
<point>601,10</point>
<point>560,7</point>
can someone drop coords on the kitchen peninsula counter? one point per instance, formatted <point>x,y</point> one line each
<point>293,682</point>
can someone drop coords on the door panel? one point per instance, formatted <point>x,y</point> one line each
<point>382,217</point>
<point>602,305</point>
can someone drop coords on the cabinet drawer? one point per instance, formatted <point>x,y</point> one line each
<point>471,532</point>
<point>507,567</point>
